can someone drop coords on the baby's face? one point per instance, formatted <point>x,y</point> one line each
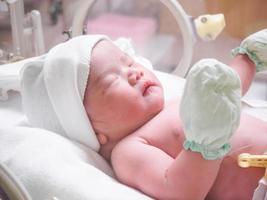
<point>121,94</point>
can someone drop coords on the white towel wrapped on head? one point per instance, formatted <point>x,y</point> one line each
<point>53,89</point>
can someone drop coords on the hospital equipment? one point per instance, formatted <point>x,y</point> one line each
<point>206,27</point>
<point>27,32</point>
<point>248,160</point>
<point>11,186</point>
<point>90,174</point>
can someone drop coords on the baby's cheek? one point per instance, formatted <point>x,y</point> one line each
<point>156,99</point>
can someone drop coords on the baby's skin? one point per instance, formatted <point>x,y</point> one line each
<point>159,142</point>
<point>142,136</point>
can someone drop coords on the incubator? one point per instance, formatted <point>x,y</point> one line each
<point>147,31</point>
<point>27,32</point>
<point>159,30</point>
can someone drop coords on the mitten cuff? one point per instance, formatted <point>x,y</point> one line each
<point>207,152</point>
<point>252,56</point>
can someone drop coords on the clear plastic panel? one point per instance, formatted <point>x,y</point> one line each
<point>149,25</point>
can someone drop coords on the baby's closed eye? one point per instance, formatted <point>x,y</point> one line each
<point>127,60</point>
<point>109,80</point>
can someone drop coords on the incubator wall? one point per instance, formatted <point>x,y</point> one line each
<point>155,35</point>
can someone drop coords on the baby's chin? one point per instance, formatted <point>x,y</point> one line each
<point>156,107</point>
<point>155,100</point>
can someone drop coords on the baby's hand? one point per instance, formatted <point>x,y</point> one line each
<point>210,108</point>
<point>255,46</point>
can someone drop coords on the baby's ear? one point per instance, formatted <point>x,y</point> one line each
<point>102,139</point>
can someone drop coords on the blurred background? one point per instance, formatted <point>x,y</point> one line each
<point>150,25</point>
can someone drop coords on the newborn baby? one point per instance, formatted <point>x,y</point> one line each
<point>150,146</point>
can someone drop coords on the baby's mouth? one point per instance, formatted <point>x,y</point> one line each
<point>147,86</point>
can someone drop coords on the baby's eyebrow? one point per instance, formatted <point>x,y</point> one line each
<point>125,58</point>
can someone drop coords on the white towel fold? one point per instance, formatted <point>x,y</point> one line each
<point>51,167</point>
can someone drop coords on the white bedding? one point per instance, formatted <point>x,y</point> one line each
<point>51,166</point>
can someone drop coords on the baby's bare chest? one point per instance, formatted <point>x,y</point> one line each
<point>167,133</point>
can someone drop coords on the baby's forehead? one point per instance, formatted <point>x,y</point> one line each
<point>107,53</point>
<point>106,48</point>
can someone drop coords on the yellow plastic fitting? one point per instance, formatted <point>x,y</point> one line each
<point>208,27</point>
<point>247,160</point>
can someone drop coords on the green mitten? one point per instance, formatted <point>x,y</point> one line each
<point>210,108</point>
<point>255,46</point>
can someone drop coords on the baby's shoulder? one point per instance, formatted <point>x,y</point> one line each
<point>170,112</point>
<point>164,131</point>
<point>167,119</point>
<point>171,108</point>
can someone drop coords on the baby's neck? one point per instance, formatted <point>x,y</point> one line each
<point>106,150</point>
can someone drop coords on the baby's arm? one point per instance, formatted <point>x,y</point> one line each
<point>153,160</point>
<point>151,170</point>
<point>246,70</point>
<point>251,57</point>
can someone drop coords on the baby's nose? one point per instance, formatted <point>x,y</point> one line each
<point>134,75</point>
